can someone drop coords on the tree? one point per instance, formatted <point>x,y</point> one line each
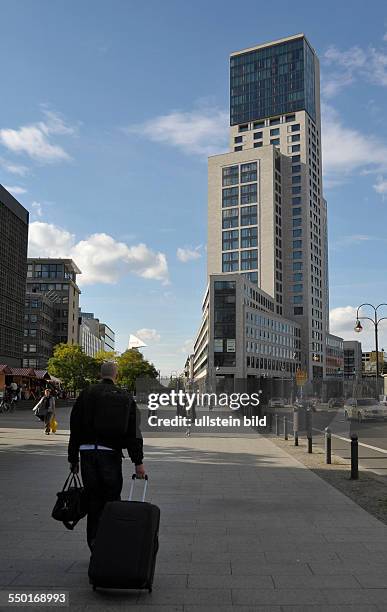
<point>132,365</point>
<point>75,369</point>
<point>102,356</point>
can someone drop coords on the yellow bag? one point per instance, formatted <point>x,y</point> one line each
<point>53,424</point>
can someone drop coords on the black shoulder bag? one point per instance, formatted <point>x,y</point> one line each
<point>70,507</point>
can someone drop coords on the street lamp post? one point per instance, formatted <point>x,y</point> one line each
<point>358,328</point>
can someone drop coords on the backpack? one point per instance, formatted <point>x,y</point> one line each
<point>110,407</point>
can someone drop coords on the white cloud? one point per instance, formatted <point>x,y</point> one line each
<point>350,65</point>
<point>15,189</point>
<point>200,132</point>
<point>13,168</point>
<point>342,323</point>
<point>148,334</point>
<point>188,254</point>
<point>37,209</point>
<point>354,239</point>
<point>346,150</point>
<point>101,258</point>
<point>34,139</point>
<point>381,186</point>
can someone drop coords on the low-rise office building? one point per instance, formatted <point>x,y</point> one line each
<point>242,337</point>
<point>108,337</point>
<point>352,359</point>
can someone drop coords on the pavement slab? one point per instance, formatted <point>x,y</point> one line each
<point>244,527</point>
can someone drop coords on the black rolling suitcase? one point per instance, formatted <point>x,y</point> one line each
<point>124,554</point>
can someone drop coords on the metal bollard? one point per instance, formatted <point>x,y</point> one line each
<point>285,428</point>
<point>328,445</point>
<point>354,457</point>
<point>295,426</point>
<point>276,417</point>
<point>309,430</point>
<point>270,421</point>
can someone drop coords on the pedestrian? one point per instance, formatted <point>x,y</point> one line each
<point>104,420</point>
<point>45,408</point>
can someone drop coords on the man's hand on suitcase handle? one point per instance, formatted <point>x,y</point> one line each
<point>140,471</point>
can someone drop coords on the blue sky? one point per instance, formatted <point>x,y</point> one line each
<point>108,112</point>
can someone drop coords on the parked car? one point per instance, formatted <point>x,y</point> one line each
<point>335,402</point>
<point>364,409</point>
<point>276,402</point>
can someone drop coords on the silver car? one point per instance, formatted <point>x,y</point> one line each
<point>364,409</point>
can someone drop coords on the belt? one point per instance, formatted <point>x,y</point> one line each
<point>94,447</point>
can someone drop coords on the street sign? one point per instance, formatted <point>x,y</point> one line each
<point>301,377</point>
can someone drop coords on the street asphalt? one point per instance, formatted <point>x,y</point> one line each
<point>244,527</point>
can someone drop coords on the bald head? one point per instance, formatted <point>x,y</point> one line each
<point>109,370</point>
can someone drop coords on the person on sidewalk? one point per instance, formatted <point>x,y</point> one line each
<point>45,410</point>
<point>103,421</point>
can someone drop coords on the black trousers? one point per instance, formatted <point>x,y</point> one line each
<point>102,480</point>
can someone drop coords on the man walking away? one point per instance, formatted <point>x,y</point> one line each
<point>104,420</point>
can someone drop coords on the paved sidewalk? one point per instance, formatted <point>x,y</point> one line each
<point>243,527</point>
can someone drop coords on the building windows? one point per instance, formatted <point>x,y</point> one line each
<point>296,201</point>
<point>230,240</point>
<point>258,124</point>
<point>297,299</point>
<point>297,254</point>
<point>296,159</point>
<point>297,244</point>
<point>249,193</point>
<point>296,179</point>
<point>298,310</point>
<point>230,197</point>
<point>230,176</point>
<point>295,138</point>
<point>258,135</point>
<point>248,174</point>
<point>258,144</point>
<point>275,141</point>
<point>296,212</point>
<point>275,121</point>
<point>295,127</point>
<point>244,127</point>
<point>297,232</point>
<point>297,265</point>
<point>238,148</point>
<point>295,148</point>
<point>297,288</point>
<point>297,277</point>
<point>238,139</point>
<point>249,237</point>
<point>230,262</point>
<point>249,215</point>
<point>230,218</point>
<point>249,259</point>
<point>275,132</point>
<point>252,276</point>
<point>296,190</point>
<point>297,222</point>
<point>295,169</point>
<point>290,118</point>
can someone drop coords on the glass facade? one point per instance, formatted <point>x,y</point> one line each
<point>273,80</point>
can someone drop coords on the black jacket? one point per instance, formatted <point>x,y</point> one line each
<point>82,431</point>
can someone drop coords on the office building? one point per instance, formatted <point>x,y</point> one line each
<point>267,216</point>
<point>88,334</point>
<point>334,357</point>
<point>52,300</point>
<point>352,359</point>
<point>369,362</point>
<point>108,337</point>
<point>13,262</point>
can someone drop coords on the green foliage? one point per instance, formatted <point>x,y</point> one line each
<point>102,356</point>
<point>75,369</point>
<point>132,365</point>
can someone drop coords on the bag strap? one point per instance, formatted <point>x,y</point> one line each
<point>72,479</point>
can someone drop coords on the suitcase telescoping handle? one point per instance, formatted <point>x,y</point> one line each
<point>134,478</point>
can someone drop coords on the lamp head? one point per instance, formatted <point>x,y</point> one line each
<point>358,327</point>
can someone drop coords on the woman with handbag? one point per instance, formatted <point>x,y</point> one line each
<point>45,410</point>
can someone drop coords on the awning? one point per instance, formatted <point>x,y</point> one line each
<point>22,372</point>
<point>4,369</point>
<point>42,374</point>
